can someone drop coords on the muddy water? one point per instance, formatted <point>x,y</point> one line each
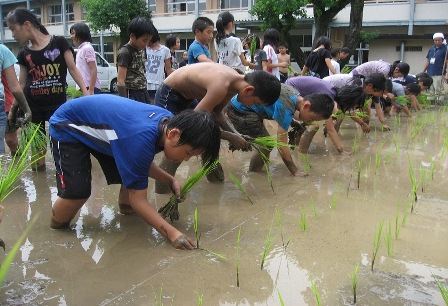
<point>110,259</point>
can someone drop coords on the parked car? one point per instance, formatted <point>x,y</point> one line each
<point>107,74</point>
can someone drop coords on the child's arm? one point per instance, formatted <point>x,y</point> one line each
<point>380,114</point>
<point>305,70</point>
<point>93,76</point>
<point>279,65</point>
<point>335,137</point>
<point>20,99</point>
<point>122,71</point>
<point>203,58</point>
<point>265,65</point>
<point>74,72</point>
<point>168,68</point>
<point>330,65</point>
<point>245,62</point>
<point>285,153</point>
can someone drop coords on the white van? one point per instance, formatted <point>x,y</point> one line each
<point>107,74</point>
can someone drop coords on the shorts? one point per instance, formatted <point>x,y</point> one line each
<point>283,77</point>
<point>248,123</point>
<point>168,98</point>
<point>140,95</point>
<point>74,168</point>
<point>3,119</point>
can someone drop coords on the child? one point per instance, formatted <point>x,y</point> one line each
<point>172,42</point>
<point>184,59</point>
<point>248,120</point>
<point>260,57</point>
<point>45,92</point>
<point>131,79</point>
<point>283,56</point>
<point>181,89</point>
<point>158,61</point>
<point>271,39</point>
<point>198,52</point>
<point>228,47</point>
<point>11,130</point>
<point>124,136</point>
<point>335,56</point>
<point>318,64</point>
<point>85,57</point>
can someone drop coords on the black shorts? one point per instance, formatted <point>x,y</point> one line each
<point>74,168</point>
<point>168,98</point>
<point>248,123</point>
<point>140,95</point>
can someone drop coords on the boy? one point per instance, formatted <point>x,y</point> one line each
<point>283,56</point>
<point>124,136</point>
<point>335,56</point>
<point>184,59</point>
<point>131,79</point>
<point>248,120</point>
<point>198,51</point>
<point>214,85</point>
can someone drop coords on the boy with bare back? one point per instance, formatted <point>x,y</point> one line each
<point>214,85</point>
<point>283,56</point>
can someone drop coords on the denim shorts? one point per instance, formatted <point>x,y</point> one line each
<point>247,123</point>
<point>168,98</point>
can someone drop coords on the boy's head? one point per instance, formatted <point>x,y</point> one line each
<point>399,69</point>
<point>335,53</point>
<point>203,28</point>
<point>141,30</point>
<point>345,52</point>
<point>282,47</point>
<point>374,84</point>
<point>316,107</point>
<point>262,88</point>
<point>424,80</point>
<point>413,89</point>
<point>172,42</point>
<point>80,33</point>
<point>155,37</point>
<point>191,133</point>
<point>185,55</point>
<point>350,97</point>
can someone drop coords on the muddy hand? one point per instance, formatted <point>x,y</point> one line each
<point>183,243</point>
<point>300,174</point>
<point>239,143</point>
<point>385,127</point>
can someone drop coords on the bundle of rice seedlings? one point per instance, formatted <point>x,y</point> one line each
<point>240,187</point>
<point>402,100</point>
<point>253,48</point>
<point>36,137</point>
<point>172,207</point>
<point>353,114</point>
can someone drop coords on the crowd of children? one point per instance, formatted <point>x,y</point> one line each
<point>197,102</point>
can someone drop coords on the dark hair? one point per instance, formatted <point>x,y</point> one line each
<point>377,80</point>
<point>82,32</point>
<point>323,40</point>
<point>402,67</point>
<point>155,37</point>
<point>20,15</point>
<point>425,78</point>
<point>224,19</point>
<point>321,104</point>
<point>283,44</point>
<point>349,97</point>
<point>346,50</point>
<point>199,130</point>
<point>413,88</point>
<point>267,86</point>
<point>201,23</point>
<point>335,51</point>
<point>140,26</point>
<point>271,37</point>
<point>388,86</point>
<point>251,36</point>
<point>171,40</point>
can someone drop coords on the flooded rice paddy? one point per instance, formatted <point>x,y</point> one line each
<point>328,226</point>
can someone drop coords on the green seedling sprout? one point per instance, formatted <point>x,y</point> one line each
<point>253,48</point>
<point>306,159</point>
<point>334,200</point>
<point>376,243</point>
<point>359,171</point>
<point>356,140</point>
<point>316,293</point>
<point>432,167</point>
<point>443,290</point>
<point>413,182</point>
<point>238,258</point>
<point>282,303</point>
<point>405,215</point>
<point>423,177</point>
<point>388,239</point>
<point>198,236</point>
<point>280,225</point>
<point>394,139</point>
<point>377,161</point>
<point>268,242</point>
<point>354,278</point>
<point>240,187</point>
<point>171,208</point>
<point>348,185</point>
<point>397,225</point>
<point>342,115</point>
<point>302,222</point>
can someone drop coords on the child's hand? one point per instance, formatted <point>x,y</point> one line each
<point>365,128</point>
<point>283,64</point>
<point>238,142</point>
<point>182,242</point>
<point>176,187</point>
<point>300,174</point>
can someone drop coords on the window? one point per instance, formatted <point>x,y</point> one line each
<point>36,11</point>
<point>226,4</point>
<point>83,13</point>
<point>409,48</point>
<point>55,13</point>
<point>176,6</point>
<point>152,5</point>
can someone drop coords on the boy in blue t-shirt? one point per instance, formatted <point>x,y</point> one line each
<point>124,137</point>
<point>198,51</point>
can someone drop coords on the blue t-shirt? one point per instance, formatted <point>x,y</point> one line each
<point>7,59</point>
<point>282,111</point>
<point>307,85</point>
<point>196,49</point>
<point>114,126</point>
<point>436,57</point>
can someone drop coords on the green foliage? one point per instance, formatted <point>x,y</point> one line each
<point>376,242</point>
<point>113,14</point>
<point>73,93</point>
<point>346,70</point>
<point>316,293</point>
<point>368,36</point>
<point>240,187</point>
<point>354,278</point>
<point>443,290</point>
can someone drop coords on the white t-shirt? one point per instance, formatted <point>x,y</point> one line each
<point>229,51</point>
<point>336,66</point>
<point>273,59</point>
<point>154,65</point>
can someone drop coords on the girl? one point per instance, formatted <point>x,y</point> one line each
<point>260,57</point>
<point>85,57</point>
<point>229,48</point>
<point>318,62</point>
<point>43,68</point>
<point>271,39</point>
<point>173,43</point>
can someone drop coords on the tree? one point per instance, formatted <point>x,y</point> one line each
<point>324,13</point>
<point>282,15</point>
<point>356,15</point>
<point>114,14</point>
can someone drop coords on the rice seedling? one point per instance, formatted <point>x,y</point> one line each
<point>423,178</point>
<point>316,293</point>
<point>432,167</point>
<point>333,200</point>
<point>268,242</point>
<point>355,114</point>
<point>36,136</point>
<point>282,303</point>
<point>302,221</point>
<point>253,48</point>
<point>367,171</point>
<point>348,185</point>
<point>238,258</point>
<point>305,159</point>
<point>198,236</point>
<point>376,243</point>
<point>280,225</point>
<point>158,296</point>
<point>413,182</point>
<point>377,161</point>
<point>171,208</point>
<point>240,187</point>
<point>359,171</point>
<point>394,140</point>
<point>200,299</point>
<point>356,141</point>
<point>314,207</point>
<point>346,69</point>
<point>443,290</point>
<point>388,239</point>
<point>354,278</point>
<point>397,225</point>
<point>405,215</point>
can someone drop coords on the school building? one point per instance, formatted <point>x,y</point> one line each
<point>405,26</point>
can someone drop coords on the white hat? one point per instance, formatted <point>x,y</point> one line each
<point>438,35</point>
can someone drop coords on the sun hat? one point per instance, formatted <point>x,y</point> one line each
<point>438,35</point>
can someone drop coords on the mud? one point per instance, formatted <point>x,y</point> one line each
<point>113,259</point>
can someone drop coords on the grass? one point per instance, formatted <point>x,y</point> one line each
<point>302,221</point>
<point>240,187</point>
<point>171,208</point>
<point>280,225</point>
<point>316,293</point>
<point>268,242</point>
<point>376,243</point>
<point>354,278</point>
<point>388,239</point>
<point>73,93</point>
<point>238,241</point>
<point>282,303</point>
<point>443,290</point>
